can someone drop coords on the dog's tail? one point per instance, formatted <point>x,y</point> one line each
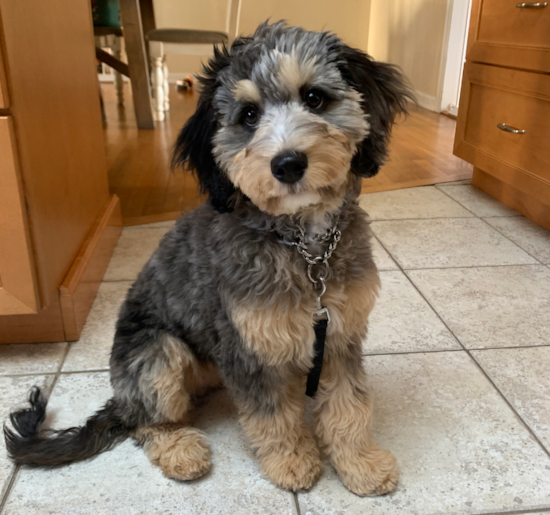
<point>50,448</point>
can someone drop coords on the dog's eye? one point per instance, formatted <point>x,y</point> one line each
<point>314,99</point>
<point>251,116</point>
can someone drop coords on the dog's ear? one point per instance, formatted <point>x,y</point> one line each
<point>385,93</point>
<point>194,144</point>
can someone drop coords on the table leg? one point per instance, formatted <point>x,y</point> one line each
<point>137,62</point>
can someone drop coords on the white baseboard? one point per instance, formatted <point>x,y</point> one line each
<point>427,101</point>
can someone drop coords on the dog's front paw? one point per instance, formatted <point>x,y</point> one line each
<point>298,470</point>
<point>376,474</point>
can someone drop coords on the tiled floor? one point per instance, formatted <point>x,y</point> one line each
<point>458,357</point>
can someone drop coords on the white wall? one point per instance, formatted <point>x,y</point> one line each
<point>348,18</point>
<point>411,34</point>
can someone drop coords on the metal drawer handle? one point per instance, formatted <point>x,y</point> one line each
<point>526,5</point>
<point>507,128</point>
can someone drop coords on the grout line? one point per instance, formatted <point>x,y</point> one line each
<point>423,296</point>
<point>503,397</point>
<point>495,229</point>
<point>49,390</point>
<point>90,371</point>
<point>8,488</point>
<point>296,503</point>
<point>520,512</point>
<point>510,405</point>
<point>29,375</point>
<point>423,219</point>
<point>404,353</point>
<point>468,266</point>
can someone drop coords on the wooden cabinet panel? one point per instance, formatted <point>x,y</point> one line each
<point>4,101</point>
<point>505,35</point>
<point>491,96</point>
<point>17,288</point>
<point>503,23</point>
<point>54,99</point>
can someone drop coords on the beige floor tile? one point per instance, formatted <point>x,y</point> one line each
<point>528,235</point>
<point>13,395</point>
<point>477,201</point>
<point>460,448</point>
<point>134,248</point>
<point>427,202</point>
<point>123,481</point>
<point>32,358</point>
<point>382,259</point>
<point>94,347</point>
<point>491,307</point>
<point>402,321</point>
<point>522,375</point>
<point>443,243</point>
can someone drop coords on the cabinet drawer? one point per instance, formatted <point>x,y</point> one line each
<point>503,23</point>
<point>17,284</point>
<point>492,96</point>
<point>503,34</point>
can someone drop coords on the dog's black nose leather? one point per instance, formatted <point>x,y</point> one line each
<point>289,166</point>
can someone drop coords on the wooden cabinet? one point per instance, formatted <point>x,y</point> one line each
<point>504,114</point>
<point>504,34</point>
<point>4,99</point>
<point>17,281</point>
<point>58,223</point>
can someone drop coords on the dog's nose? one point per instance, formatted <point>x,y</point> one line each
<point>289,166</point>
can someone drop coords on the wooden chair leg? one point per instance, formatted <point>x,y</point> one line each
<point>119,84</point>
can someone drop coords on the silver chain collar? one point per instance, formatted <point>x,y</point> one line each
<point>317,266</point>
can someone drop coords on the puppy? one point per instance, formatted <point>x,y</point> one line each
<point>247,288</point>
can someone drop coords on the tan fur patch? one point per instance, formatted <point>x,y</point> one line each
<point>343,417</point>
<point>350,305</point>
<point>283,443</point>
<point>246,91</point>
<point>278,333</point>
<point>293,73</point>
<point>181,452</point>
<point>172,377</point>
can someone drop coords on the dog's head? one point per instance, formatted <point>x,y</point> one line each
<point>289,118</point>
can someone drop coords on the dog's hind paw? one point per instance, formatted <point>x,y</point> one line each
<point>181,454</point>
<point>295,471</point>
<point>377,475</point>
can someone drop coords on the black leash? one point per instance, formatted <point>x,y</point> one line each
<point>314,375</point>
<point>317,267</point>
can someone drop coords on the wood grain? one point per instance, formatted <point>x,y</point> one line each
<point>504,35</point>
<point>492,95</point>
<point>134,42</point>
<point>421,153</point>
<point>50,63</point>
<point>4,98</point>
<point>522,194</point>
<point>17,280</point>
<point>45,326</point>
<point>79,289</point>
<point>139,161</point>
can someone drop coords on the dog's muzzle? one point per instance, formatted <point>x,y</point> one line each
<point>289,166</point>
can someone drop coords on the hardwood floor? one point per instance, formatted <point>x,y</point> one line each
<point>139,160</point>
<point>421,153</point>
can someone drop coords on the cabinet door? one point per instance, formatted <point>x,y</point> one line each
<point>510,33</point>
<point>17,285</point>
